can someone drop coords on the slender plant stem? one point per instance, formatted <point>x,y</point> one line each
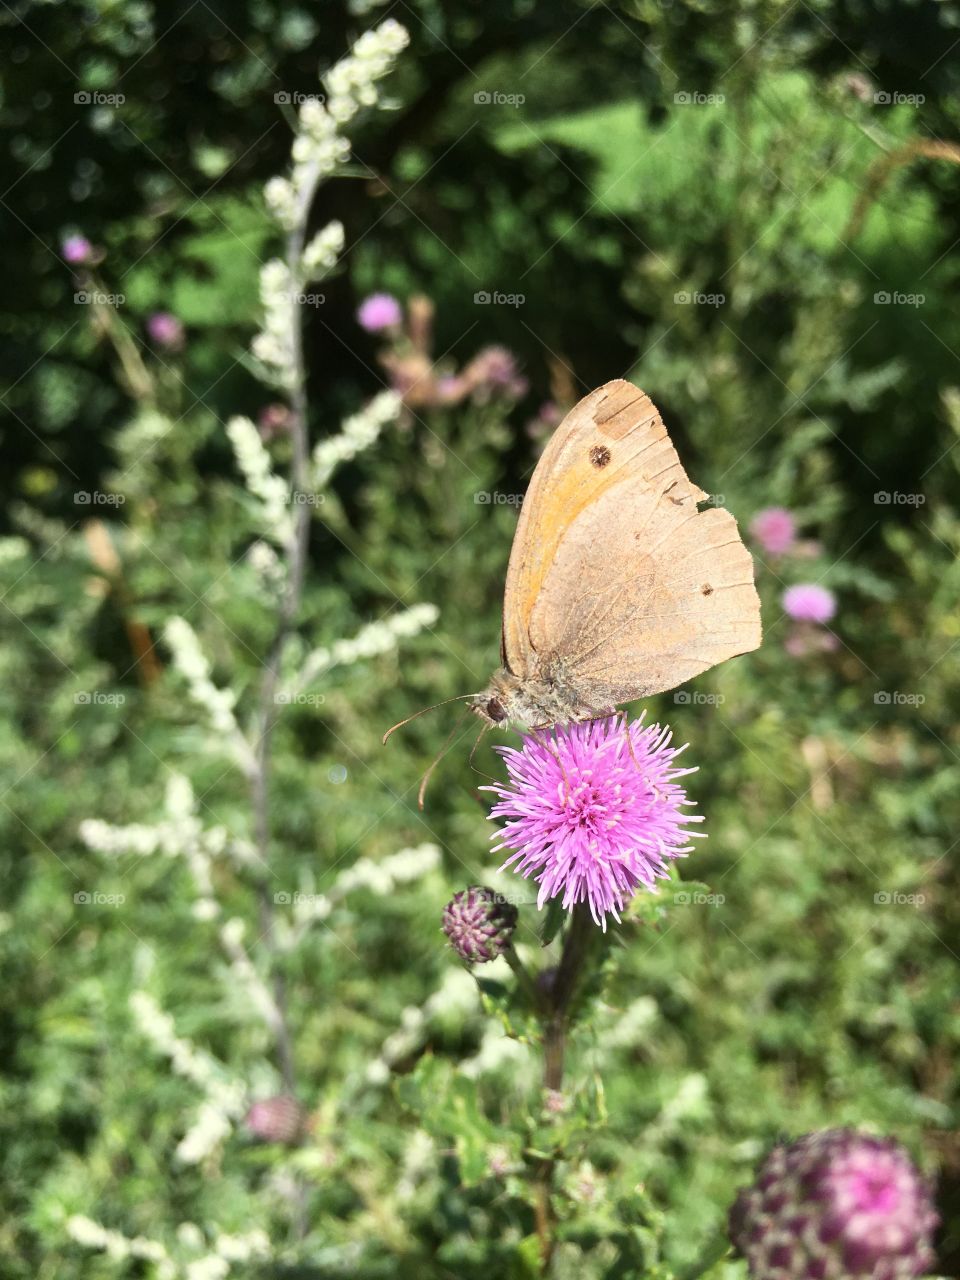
<point>289,608</point>
<point>556,1022</point>
<point>296,563</point>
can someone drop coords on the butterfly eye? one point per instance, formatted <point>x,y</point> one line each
<point>599,456</point>
<point>495,711</point>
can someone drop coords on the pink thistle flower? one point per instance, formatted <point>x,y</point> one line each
<point>594,811</point>
<point>836,1203</point>
<point>77,249</point>
<point>775,529</point>
<point>379,311</point>
<point>165,330</point>
<point>809,602</point>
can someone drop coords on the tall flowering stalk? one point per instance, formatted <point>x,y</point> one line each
<point>318,150</point>
<point>281,516</point>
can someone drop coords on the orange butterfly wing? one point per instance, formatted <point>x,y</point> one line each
<point>615,576</point>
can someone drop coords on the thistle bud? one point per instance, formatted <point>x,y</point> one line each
<point>836,1204</point>
<point>479,924</point>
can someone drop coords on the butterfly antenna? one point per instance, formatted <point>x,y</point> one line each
<point>439,756</point>
<point>459,698</point>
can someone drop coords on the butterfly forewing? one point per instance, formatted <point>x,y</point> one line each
<point>615,573</point>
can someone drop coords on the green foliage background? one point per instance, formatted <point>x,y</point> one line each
<point>798,1002</point>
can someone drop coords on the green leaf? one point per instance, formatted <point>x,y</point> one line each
<point>554,919</point>
<point>526,1263</point>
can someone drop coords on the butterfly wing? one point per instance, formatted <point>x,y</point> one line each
<point>615,576</point>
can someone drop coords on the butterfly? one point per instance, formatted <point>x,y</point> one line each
<point>621,583</point>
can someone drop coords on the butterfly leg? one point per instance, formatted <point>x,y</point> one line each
<point>605,715</point>
<point>633,757</point>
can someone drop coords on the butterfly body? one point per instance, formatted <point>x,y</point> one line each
<point>620,584</point>
<point>532,702</point>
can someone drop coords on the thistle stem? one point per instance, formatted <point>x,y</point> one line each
<point>556,1022</point>
<point>718,1247</point>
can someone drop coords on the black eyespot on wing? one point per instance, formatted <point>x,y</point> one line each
<point>599,456</point>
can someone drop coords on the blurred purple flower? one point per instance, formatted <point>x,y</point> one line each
<point>496,365</point>
<point>809,602</point>
<point>165,330</point>
<point>379,311</point>
<point>450,389</point>
<point>775,529</point>
<point>550,414</point>
<point>836,1203</point>
<point>77,250</point>
<point>806,639</point>
<point>279,1119</point>
<point>274,420</point>
<point>495,369</point>
<point>547,418</point>
<point>594,811</point>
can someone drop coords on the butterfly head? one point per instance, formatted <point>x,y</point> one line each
<point>493,710</point>
<point>496,705</point>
